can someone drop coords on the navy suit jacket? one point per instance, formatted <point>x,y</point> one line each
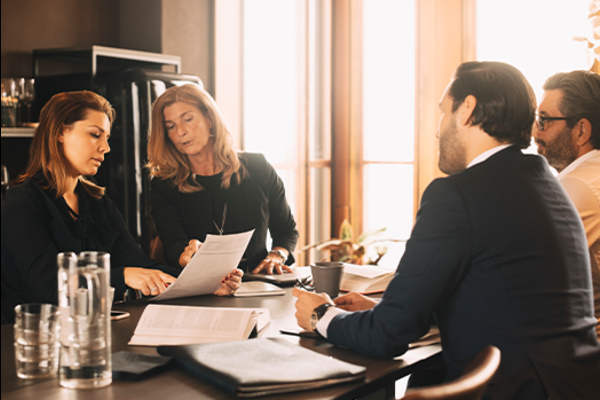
<point>498,255</point>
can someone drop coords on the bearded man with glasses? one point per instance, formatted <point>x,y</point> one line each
<point>567,132</point>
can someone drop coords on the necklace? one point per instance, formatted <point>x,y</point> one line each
<point>220,230</point>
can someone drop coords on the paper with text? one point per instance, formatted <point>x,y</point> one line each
<point>217,257</point>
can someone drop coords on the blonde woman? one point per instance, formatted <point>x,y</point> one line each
<point>55,207</point>
<point>201,185</point>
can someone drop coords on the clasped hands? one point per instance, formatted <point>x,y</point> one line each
<point>308,301</point>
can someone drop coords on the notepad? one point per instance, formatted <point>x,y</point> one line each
<point>264,366</point>
<point>284,279</point>
<point>177,325</point>
<point>257,288</point>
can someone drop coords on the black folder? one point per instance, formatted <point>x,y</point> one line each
<point>259,367</point>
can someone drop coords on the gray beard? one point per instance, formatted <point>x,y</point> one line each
<point>561,152</point>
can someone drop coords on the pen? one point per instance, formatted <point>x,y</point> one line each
<point>304,334</point>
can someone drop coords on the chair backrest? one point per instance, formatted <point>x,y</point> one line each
<point>470,386</point>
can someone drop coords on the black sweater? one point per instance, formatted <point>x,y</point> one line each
<point>36,226</point>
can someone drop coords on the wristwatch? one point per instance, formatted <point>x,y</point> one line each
<point>280,253</point>
<point>317,314</point>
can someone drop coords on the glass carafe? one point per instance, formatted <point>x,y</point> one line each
<point>85,336</point>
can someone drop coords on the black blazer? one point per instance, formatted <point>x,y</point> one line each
<point>498,255</point>
<point>258,202</point>
<point>36,226</point>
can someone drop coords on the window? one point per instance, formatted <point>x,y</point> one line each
<point>354,159</point>
<point>388,129</point>
<point>286,103</point>
<point>539,40</point>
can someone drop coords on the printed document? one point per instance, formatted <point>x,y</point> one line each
<point>175,325</point>
<point>218,256</point>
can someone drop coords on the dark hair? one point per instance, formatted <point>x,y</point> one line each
<point>581,99</point>
<point>506,102</point>
<point>45,154</point>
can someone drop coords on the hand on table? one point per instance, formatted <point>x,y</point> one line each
<point>189,252</point>
<point>230,283</point>
<point>354,302</point>
<point>273,262</point>
<point>306,303</point>
<point>149,281</point>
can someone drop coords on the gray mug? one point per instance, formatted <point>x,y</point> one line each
<point>327,277</point>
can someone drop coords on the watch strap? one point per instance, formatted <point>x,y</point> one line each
<point>280,253</point>
<point>322,309</point>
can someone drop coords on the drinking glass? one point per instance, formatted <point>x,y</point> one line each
<point>5,179</point>
<point>36,345</point>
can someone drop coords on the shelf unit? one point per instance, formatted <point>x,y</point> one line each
<point>18,132</point>
<point>96,56</point>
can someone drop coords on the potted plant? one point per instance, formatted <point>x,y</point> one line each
<point>346,249</point>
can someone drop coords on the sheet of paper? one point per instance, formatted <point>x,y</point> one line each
<point>367,271</point>
<point>217,257</point>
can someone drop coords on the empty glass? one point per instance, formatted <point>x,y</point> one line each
<point>36,345</point>
<point>26,94</point>
<point>4,172</point>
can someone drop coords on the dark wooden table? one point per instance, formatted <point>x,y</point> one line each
<point>177,383</point>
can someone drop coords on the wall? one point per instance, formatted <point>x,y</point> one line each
<point>35,24</point>
<point>188,31</point>
<point>178,27</point>
<point>140,25</point>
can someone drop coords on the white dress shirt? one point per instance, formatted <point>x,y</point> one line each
<point>581,180</point>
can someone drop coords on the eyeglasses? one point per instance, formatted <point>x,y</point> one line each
<point>540,121</point>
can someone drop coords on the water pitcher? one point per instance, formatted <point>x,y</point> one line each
<point>84,301</point>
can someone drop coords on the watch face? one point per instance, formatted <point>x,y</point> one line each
<point>313,321</point>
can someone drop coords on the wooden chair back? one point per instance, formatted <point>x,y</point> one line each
<point>470,386</point>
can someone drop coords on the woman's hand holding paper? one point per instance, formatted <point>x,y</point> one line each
<point>230,283</point>
<point>151,282</point>
<point>189,252</point>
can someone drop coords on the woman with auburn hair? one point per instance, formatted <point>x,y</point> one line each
<point>54,207</point>
<point>201,185</point>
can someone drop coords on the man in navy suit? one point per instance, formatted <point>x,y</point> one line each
<point>498,256</point>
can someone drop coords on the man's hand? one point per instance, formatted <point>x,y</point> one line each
<point>189,252</point>
<point>354,302</point>
<point>151,282</point>
<point>306,303</point>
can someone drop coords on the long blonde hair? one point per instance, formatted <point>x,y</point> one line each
<point>166,162</point>
<point>45,152</point>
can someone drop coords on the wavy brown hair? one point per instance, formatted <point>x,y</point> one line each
<point>166,162</point>
<point>46,153</point>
